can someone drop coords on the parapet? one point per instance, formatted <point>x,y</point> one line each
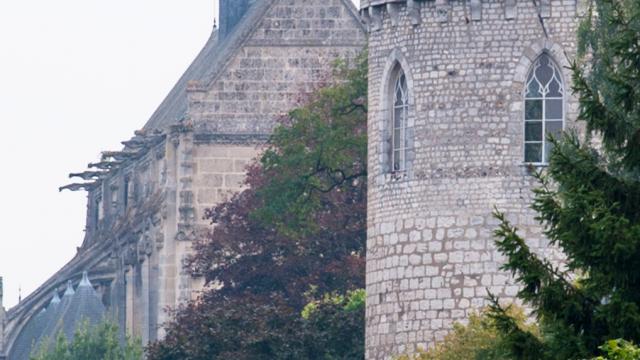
<point>374,11</point>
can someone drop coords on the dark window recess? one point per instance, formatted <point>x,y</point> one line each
<point>126,193</point>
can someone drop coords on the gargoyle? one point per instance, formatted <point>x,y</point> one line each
<point>119,155</point>
<point>77,187</point>
<point>89,175</point>
<point>105,165</point>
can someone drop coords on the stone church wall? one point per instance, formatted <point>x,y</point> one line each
<point>431,258</point>
<point>289,53</point>
<point>146,209</point>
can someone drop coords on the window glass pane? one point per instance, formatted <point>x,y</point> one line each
<point>553,109</point>
<point>533,131</point>
<point>396,160</point>
<point>398,99</point>
<point>544,72</point>
<point>533,153</point>
<point>533,110</point>
<point>533,90</point>
<point>398,117</point>
<point>554,128</point>
<point>396,138</point>
<point>554,89</point>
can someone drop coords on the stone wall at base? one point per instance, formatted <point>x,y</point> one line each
<point>431,257</point>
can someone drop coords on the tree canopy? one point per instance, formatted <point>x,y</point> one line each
<point>294,236</point>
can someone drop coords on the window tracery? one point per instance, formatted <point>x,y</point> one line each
<point>399,119</point>
<point>544,109</point>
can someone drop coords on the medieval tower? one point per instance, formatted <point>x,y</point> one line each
<point>461,94</point>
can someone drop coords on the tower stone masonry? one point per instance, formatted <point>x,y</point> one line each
<point>460,93</point>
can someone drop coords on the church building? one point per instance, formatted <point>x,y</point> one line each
<point>146,201</point>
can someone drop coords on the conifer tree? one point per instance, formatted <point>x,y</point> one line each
<point>589,202</point>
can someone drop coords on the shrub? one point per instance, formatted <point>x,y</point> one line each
<point>479,339</point>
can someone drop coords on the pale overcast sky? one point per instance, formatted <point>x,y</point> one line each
<point>76,77</point>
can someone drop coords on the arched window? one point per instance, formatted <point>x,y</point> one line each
<point>400,119</point>
<point>543,109</point>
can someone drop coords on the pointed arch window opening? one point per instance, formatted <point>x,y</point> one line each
<point>544,109</point>
<point>399,124</point>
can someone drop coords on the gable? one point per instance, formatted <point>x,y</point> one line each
<point>298,22</point>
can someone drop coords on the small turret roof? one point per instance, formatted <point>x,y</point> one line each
<point>61,316</point>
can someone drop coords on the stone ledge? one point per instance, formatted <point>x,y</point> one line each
<point>217,138</point>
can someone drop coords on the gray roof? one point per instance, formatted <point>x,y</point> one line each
<point>174,106</point>
<point>211,61</point>
<point>64,316</point>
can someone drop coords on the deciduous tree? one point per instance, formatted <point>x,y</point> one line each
<point>296,233</point>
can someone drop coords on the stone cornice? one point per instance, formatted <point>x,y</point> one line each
<point>241,139</point>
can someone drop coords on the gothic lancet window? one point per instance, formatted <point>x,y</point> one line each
<point>400,114</point>
<point>543,109</point>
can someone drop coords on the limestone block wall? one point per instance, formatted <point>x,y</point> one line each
<point>200,174</point>
<point>431,257</point>
<point>288,53</point>
<point>221,173</point>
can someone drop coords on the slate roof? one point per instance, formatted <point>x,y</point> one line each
<point>211,61</point>
<point>61,315</point>
<point>207,64</point>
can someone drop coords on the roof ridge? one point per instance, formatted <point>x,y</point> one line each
<point>85,280</point>
<point>69,291</point>
<point>355,13</point>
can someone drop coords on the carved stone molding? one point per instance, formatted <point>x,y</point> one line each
<point>443,10</point>
<point>510,9</point>
<point>545,8</point>
<point>394,13</point>
<point>375,13</point>
<point>476,9</point>
<point>413,10</point>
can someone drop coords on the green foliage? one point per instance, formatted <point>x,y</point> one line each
<point>588,202</point>
<point>354,301</point>
<point>479,339</point>
<point>98,343</point>
<point>320,148</point>
<point>619,350</point>
<point>297,232</point>
<point>333,328</point>
<point>608,83</point>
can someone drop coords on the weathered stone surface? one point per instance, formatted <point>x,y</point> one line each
<point>431,256</point>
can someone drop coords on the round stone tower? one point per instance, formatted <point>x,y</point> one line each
<point>461,94</point>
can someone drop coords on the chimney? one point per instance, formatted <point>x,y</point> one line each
<point>231,11</point>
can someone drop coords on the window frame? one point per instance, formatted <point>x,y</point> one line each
<point>558,75</point>
<point>399,146</point>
